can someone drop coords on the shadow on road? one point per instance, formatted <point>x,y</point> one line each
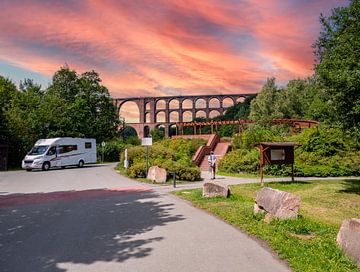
<point>90,226</point>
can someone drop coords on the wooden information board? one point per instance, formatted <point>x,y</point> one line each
<point>276,153</point>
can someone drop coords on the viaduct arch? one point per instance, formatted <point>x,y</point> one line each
<point>156,111</point>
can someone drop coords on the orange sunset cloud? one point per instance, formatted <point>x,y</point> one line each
<point>158,47</point>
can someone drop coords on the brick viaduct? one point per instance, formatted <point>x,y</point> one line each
<point>168,110</point>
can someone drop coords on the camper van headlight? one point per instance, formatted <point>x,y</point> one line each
<point>37,161</point>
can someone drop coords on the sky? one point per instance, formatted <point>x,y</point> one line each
<point>162,47</point>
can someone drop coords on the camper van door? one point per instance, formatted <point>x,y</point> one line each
<point>51,156</point>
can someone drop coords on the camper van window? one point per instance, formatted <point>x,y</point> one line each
<point>67,148</point>
<point>52,151</point>
<point>38,150</point>
<point>88,145</point>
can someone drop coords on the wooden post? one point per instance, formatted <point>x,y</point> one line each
<point>182,130</point>
<point>261,176</point>
<point>200,130</point>
<point>176,130</point>
<point>212,129</point>
<point>262,162</point>
<point>292,172</point>
<point>194,129</point>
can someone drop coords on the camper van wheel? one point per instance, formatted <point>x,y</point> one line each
<point>46,166</point>
<point>81,163</point>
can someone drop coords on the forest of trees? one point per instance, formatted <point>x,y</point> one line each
<point>72,106</point>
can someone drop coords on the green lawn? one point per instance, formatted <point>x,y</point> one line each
<point>307,243</point>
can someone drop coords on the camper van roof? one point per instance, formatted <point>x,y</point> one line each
<point>51,141</point>
<point>46,141</point>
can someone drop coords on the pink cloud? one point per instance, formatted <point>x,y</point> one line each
<point>165,47</point>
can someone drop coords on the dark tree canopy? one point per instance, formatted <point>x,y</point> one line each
<point>7,91</point>
<point>338,53</point>
<point>83,106</point>
<point>239,110</point>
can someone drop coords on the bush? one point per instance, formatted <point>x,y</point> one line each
<point>323,141</point>
<point>111,150</point>
<point>277,170</point>
<point>258,133</point>
<point>137,170</point>
<point>133,140</point>
<point>183,148</point>
<point>323,152</point>
<point>183,170</point>
<point>187,173</point>
<point>240,160</point>
<point>172,154</point>
<point>157,134</point>
<point>157,154</point>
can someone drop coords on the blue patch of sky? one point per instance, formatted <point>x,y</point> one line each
<point>240,43</point>
<point>17,74</point>
<point>195,24</point>
<point>116,67</point>
<point>328,5</point>
<point>73,52</point>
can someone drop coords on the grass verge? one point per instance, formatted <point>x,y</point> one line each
<point>307,243</point>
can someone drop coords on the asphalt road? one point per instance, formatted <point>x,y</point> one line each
<point>93,219</point>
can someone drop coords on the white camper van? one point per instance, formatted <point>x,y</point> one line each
<point>60,152</point>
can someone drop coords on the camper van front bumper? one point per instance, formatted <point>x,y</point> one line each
<point>29,164</point>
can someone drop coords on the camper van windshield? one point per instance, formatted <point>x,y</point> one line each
<point>38,150</point>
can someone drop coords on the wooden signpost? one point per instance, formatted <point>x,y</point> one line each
<point>146,141</point>
<point>276,153</point>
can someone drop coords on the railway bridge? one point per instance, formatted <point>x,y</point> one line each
<point>167,111</point>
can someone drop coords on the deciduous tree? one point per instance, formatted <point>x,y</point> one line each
<point>338,52</point>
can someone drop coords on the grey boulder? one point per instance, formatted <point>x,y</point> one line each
<point>348,239</point>
<point>213,189</point>
<point>157,174</point>
<point>278,204</point>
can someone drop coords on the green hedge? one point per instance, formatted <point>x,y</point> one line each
<point>172,154</point>
<point>239,161</point>
<point>137,170</point>
<point>183,170</point>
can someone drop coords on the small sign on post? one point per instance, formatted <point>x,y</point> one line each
<point>103,146</point>
<point>146,141</point>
